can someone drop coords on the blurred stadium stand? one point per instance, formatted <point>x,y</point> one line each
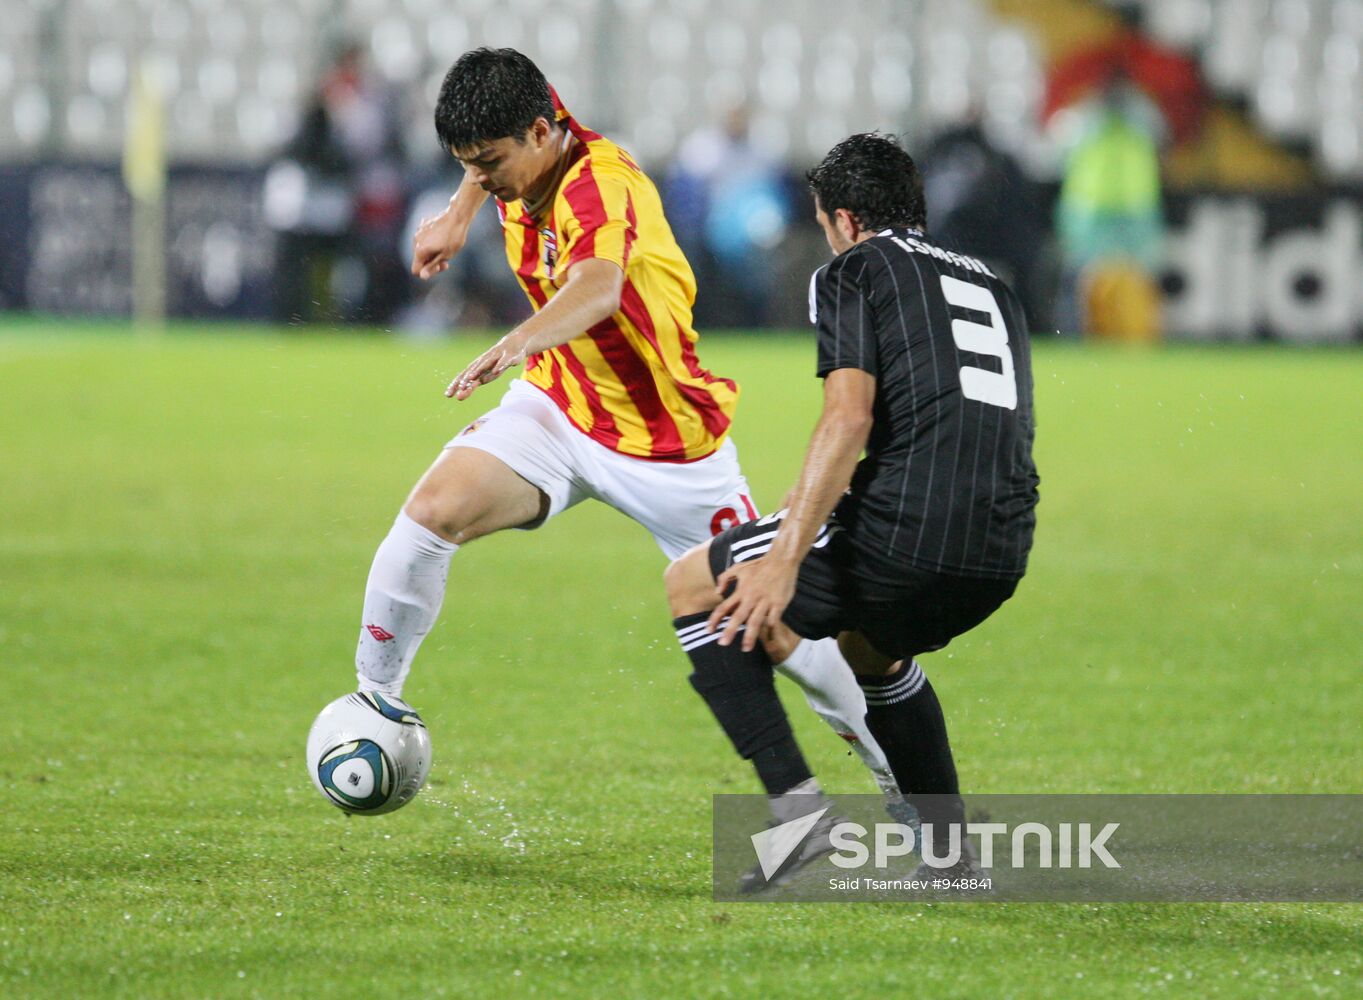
<point>1285,113</point>
<point>1294,63</point>
<point>236,71</point>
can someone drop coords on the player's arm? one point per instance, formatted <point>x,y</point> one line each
<point>442,236</point>
<point>595,217</point>
<point>590,294</point>
<point>764,586</point>
<point>834,449</point>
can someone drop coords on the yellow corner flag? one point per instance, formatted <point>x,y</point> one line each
<point>144,172</point>
<point>144,147</point>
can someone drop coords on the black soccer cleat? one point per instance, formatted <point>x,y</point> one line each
<point>816,844</point>
<point>964,876</point>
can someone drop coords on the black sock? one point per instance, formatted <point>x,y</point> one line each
<point>905,717</point>
<point>741,691</point>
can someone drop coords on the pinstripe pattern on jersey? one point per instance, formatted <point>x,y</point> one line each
<point>948,482</point>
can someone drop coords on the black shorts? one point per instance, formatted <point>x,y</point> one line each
<point>917,613</point>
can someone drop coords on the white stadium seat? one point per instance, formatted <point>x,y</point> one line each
<point>234,70</point>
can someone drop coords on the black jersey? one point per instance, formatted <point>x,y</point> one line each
<point>948,482</point>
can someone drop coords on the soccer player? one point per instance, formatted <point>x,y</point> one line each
<point>614,404</point>
<point>926,367</point>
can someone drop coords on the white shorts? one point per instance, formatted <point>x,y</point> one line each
<point>681,503</point>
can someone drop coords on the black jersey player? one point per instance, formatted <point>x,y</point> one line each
<point>926,367</point>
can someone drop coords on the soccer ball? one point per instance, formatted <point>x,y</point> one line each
<point>368,753</point>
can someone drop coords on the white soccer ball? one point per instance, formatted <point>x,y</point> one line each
<point>368,753</point>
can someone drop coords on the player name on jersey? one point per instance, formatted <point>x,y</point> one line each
<point>914,245</point>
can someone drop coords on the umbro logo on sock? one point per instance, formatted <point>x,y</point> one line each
<point>381,634</point>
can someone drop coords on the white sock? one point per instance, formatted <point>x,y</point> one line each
<point>401,600</point>
<point>832,691</point>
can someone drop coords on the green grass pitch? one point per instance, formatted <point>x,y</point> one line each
<point>185,528</point>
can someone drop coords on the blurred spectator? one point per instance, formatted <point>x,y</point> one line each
<point>1109,217</point>
<point>308,204</point>
<point>980,203</point>
<point>729,205</point>
<point>337,199</point>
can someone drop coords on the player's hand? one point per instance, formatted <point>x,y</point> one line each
<point>761,590</point>
<point>488,367</point>
<point>437,240</point>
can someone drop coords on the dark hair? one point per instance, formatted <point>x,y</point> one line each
<point>490,94</point>
<point>871,176</point>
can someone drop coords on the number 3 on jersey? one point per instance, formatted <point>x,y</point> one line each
<point>981,384</point>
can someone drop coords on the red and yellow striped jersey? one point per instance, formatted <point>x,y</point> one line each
<point>632,382</point>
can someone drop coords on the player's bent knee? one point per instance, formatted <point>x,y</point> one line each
<point>424,511</point>
<point>448,517</point>
<point>780,643</point>
<point>468,493</point>
<point>690,587</point>
<point>864,659</point>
